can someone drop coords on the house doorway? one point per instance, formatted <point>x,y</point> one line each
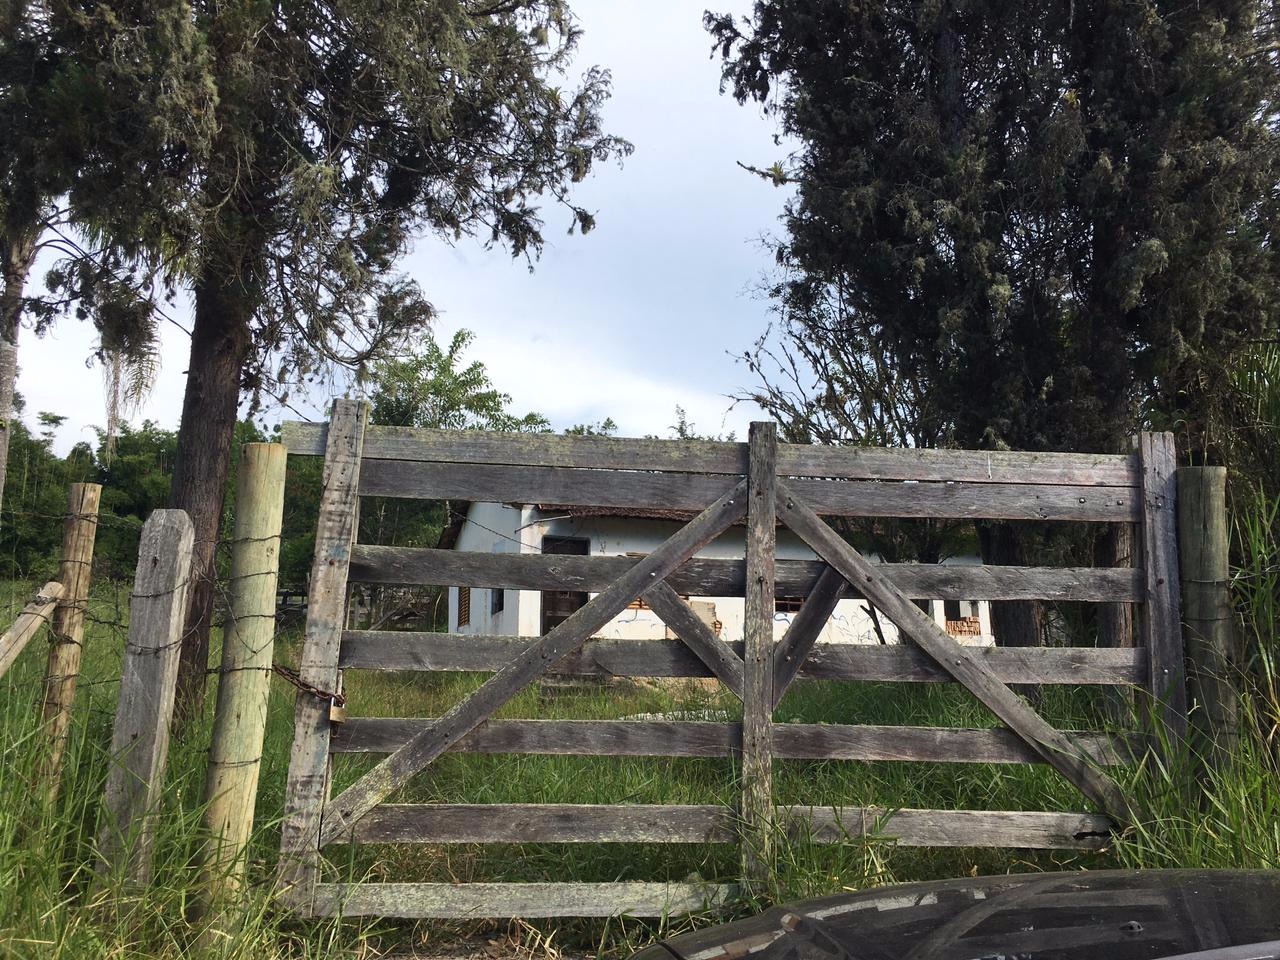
<point>559,605</point>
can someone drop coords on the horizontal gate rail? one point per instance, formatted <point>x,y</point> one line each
<point>704,577</point>
<point>665,823</point>
<point>425,901</point>
<point>703,456</point>
<point>501,483</point>
<point>706,738</point>
<point>387,650</point>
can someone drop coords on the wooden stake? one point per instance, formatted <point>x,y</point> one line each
<point>758,670</point>
<point>67,629</point>
<point>1206,604</point>
<point>140,739</point>
<point>240,720</point>
<point>33,616</point>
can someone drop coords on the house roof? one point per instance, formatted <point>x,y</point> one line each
<point>628,513</point>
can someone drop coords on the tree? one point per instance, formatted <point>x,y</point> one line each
<point>36,498</point>
<point>343,129</point>
<point>434,388</point>
<point>602,428</point>
<point>92,96</point>
<point>431,388</point>
<point>832,382</point>
<point>1049,215</point>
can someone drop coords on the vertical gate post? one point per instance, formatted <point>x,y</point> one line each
<point>140,738</point>
<point>1206,604</point>
<point>307,788</point>
<point>757,686</point>
<point>1161,623</point>
<point>240,720</point>
<point>67,628</point>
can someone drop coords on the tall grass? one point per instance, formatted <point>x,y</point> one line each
<point>1221,808</point>
<point>56,903</point>
<point>57,900</point>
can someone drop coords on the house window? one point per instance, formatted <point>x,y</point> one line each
<point>559,605</point>
<point>788,604</point>
<point>464,606</point>
<point>497,600</point>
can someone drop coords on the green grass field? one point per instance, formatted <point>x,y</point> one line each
<point>53,906</point>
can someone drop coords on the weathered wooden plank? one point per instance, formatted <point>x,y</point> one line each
<point>698,456</point>
<point>702,577</point>
<point>144,710</point>
<point>757,656</point>
<point>845,498</point>
<point>967,501</point>
<point>644,823</point>
<point>374,786</point>
<point>1161,615</point>
<point>824,741</point>
<point>1038,665</point>
<point>802,634</point>
<point>719,657</point>
<point>606,738</point>
<point>968,466</point>
<point>546,823</point>
<point>28,623</point>
<point>396,650</point>
<point>701,738</point>
<point>526,900</point>
<point>1057,749</point>
<point>951,828</point>
<point>307,787</point>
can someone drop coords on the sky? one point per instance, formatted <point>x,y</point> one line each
<point>646,312</point>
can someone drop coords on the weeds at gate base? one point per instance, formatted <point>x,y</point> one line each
<point>47,852</point>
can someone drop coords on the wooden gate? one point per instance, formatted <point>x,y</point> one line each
<point>762,484</point>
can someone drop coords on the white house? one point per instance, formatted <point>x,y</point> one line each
<point>531,528</point>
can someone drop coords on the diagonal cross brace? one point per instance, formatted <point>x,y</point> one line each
<point>538,659</point>
<point>720,658</point>
<point>1050,743</point>
<point>792,651</point>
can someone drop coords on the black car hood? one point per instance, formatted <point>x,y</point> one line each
<point>1117,915</point>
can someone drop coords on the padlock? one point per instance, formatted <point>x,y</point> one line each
<point>337,713</point>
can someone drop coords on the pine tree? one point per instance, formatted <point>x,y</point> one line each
<point>1056,217</point>
<point>344,129</point>
<point>93,96</point>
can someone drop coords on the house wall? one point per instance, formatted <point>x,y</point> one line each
<point>490,528</point>
<point>503,529</point>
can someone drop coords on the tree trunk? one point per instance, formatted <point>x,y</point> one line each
<point>1115,620</point>
<point>19,250</point>
<point>220,344</point>
<point>1015,623</point>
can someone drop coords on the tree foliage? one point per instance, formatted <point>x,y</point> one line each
<point>344,129</point>
<point>1049,218</point>
<point>432,387</point>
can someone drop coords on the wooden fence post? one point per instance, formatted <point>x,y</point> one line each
<point>140,739</point>
<point>1161,622</point>
<point>1206,604</point>
<point>239,724</point>
<point>67,629</point>
<point>758,678</point>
